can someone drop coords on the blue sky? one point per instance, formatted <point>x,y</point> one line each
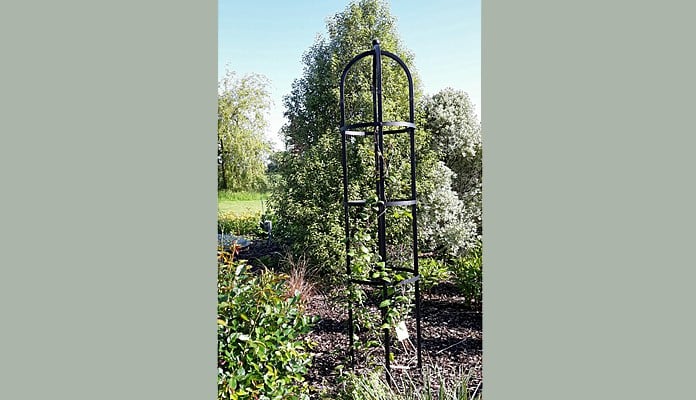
<point>269,38</point>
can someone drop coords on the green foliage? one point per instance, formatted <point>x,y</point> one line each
<point>261,353</point>
<point>307,191</point>
<point>229,195</point>
<point>239,224</point>
<point>241,206</point>
<point>242,107</point>
<point>455,134</point>
<point>442,227</point>
<point>306,202</point>
<point>455,129</point>
<point>382,307</point>
<point>468,275</point>
<point>432,272</point>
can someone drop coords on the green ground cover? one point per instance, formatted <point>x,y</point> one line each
<point>241,203</point>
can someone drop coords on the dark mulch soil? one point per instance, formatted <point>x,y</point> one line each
<point>262,252</point>
<point>258,253</point>
<point>451,342</point>
<point>451,332</point>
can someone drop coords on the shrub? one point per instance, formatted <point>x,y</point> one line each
<point>261,353</point>
<point>468,273</point>
<point>443,223</point>
<point>455,134</point>
<point>236,224</point>
<point>309,214</point>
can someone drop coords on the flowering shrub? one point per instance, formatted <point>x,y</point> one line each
<point>455,134</point>
<point>443,222</point>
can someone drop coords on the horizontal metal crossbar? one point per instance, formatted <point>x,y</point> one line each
<point>403,269</point>
<point>358,125</point>
<point>387,132</point>
<point>356,133</point>
<point>410,280</point>
<point>394,203</point>
<point>399,123</point>
<point>406,202</point>
<point>382,282</point>
<point>362,133</point>
<point>372,283</point>
<point>375,124</point>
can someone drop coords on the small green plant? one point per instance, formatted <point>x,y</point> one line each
<point>261,350</point>
<point>468,273</point>
<point>389,301</point>
<point>432,272</point>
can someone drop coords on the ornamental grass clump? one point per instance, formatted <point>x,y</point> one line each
<point>432,385</point>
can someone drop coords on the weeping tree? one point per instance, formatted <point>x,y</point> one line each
<point>307,194</point>
<point>243,104</point>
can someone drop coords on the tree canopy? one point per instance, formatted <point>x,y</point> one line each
<point>307,195</point>
<point>243,103</point>
<point>312,106</point>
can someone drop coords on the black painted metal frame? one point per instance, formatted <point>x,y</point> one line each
<point>376,129</point>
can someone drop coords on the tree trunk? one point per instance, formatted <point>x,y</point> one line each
<point>221,154</point>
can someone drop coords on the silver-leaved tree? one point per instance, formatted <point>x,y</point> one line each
<point>455,135</point>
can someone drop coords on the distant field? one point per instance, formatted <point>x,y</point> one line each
<point>240,206</point>
<point>241,202</point>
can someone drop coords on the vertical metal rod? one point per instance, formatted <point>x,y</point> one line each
<point>414,224</point>
<point>414,194</point>
<point>379,159</point>
<point>346,221</point>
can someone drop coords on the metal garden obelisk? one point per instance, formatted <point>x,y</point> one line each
<point>376,129</point>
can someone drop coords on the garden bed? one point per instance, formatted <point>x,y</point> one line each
<point>451,331</point>
<point>451,340</point>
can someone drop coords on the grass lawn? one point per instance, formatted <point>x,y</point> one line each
<point>241,203</point>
